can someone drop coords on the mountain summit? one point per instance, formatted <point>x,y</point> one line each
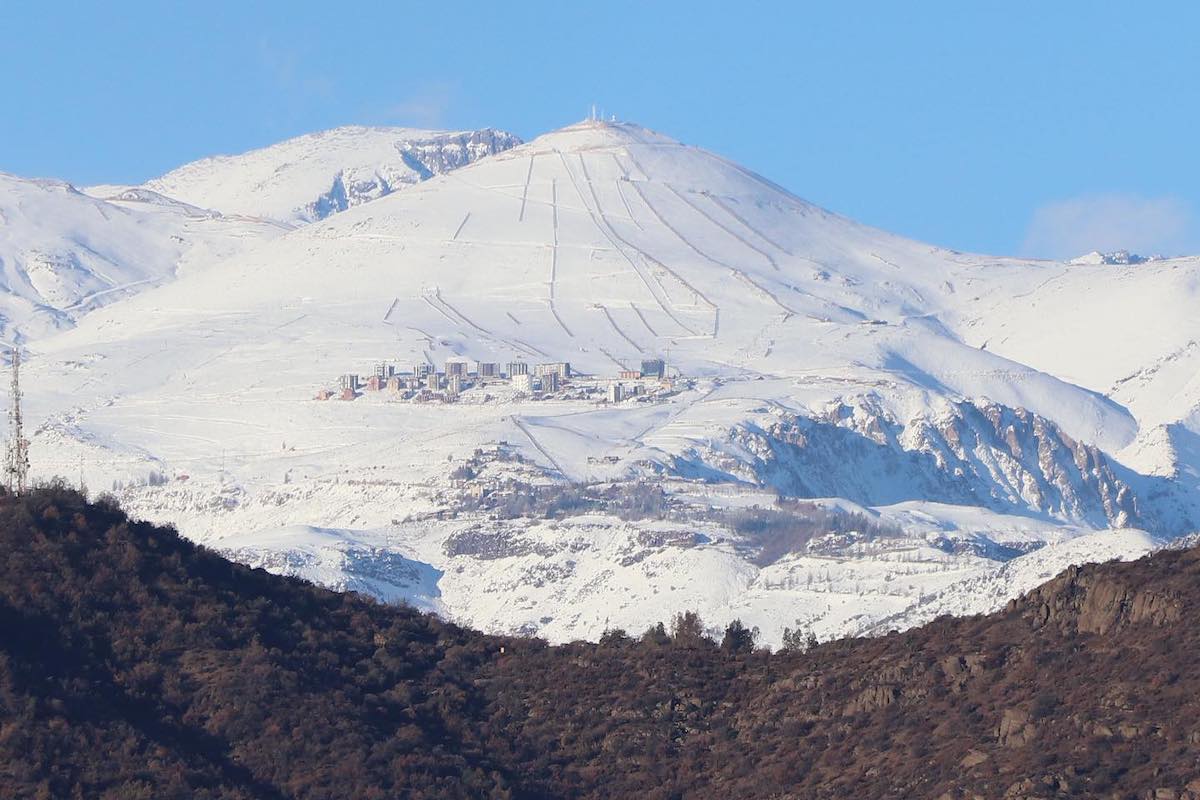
<point>759,408</point>
<point>312,176</point>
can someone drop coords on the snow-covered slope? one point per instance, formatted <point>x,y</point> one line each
<point>816,357</point>
<point>312,176</point>
<point>64,253</point>
<point>990,590</point>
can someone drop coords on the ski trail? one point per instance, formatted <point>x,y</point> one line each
<point>595,198</point>
<point>612,358</point>
<point>439,309</point>
<point>461,225</point>
<point>656,290</point>
<point>537,446</point>
<point>554,259</point>
<point>721,204</point>
<point>559,320</point>
<point>521,343</point>
<point>618,238</point>
<point>438,303</point>
<point>617,328</point>
<point>678,235</point>
<point>746,242</point>
<point>621,192</point>
<point>787,312</point>
<point>645,322</point>
<point>391,308</point>
<point>525,193</point>
<point>885,261</point>
<point>737,273</point>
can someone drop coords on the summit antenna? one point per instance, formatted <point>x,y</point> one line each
<point>16,466</point>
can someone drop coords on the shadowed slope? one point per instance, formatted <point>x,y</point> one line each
<point>133,664</point>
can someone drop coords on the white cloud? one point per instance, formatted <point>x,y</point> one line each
<point>1107,222</point>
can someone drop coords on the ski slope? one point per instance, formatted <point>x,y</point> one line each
<point>818,358</point>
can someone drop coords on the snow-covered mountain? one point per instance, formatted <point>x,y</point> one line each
<point>312,176</point>
<point>64,253</point>
<point>947,413</point>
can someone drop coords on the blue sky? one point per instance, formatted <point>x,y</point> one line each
<point>1039,128</point>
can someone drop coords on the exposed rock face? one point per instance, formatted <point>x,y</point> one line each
<point>1015,728</point>
<point>419,160</point>
<point>311,177</point>
<point>1004,458</point>
<point>1083,601</point>
<point>122,639</point>
<point>451,152</point>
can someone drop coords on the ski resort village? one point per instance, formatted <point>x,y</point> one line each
<point>589,381</point>
<point>426,383</point>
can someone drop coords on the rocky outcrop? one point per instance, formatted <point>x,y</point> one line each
<point>1089,602</point>
<point>419,161</point>
<point>975,454</point>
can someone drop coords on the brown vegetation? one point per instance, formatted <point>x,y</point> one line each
<point>134,664</point>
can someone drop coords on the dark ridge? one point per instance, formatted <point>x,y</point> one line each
<point>134,664</point>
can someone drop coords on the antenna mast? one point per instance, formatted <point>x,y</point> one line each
<point>17,458</point>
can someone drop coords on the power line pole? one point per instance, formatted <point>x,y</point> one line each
<point>17,456</point>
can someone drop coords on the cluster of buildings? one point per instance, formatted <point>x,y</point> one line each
<point>425,383</point>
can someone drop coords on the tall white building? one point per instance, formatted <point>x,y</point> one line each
<point>522,382</point>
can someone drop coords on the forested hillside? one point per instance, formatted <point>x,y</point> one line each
<point>134,664</point>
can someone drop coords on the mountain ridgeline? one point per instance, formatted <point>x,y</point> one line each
<point>136,664</point>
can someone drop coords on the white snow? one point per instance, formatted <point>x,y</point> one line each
<point>986,405</point>
<point>312,176</point>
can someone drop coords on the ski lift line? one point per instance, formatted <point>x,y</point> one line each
<point>439,304</point>
<point>880,258</point>
<point>283,325</point>
<point>537,446</point>
<point>764,254</point>
<point>608,315</point>
<point>671,272</point>
<point>621,192</point>
<point>642,317</point>
<point>770,258</point>
<point>559,320</point>
<point>521,343</point>
<point>554,259</point>
<point>460,227</point>
<point>614,237</point>
<point>712,259</point>
<point>769,294</point>
<point>745,223</point>
<point>612,358</point>
<point>687,242</point>
<point>651,284</point>
<point>202,364</point>
<point>525,193</point>
<point>553,269</point>
<point>554,207</point>
<point>387,315</point>
<point>553,283</point>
